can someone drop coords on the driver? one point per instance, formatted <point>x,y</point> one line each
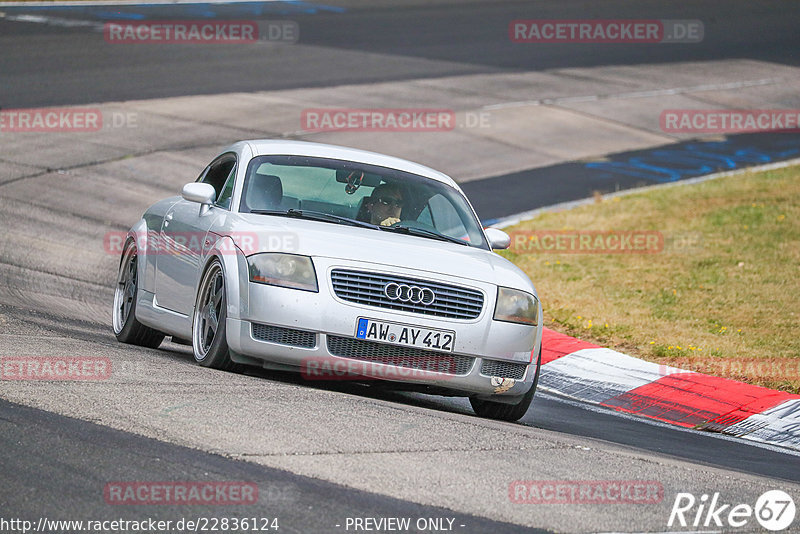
<point>385,204</point>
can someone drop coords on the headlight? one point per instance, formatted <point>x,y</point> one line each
<point>285,270</point>
<point>516,306</point>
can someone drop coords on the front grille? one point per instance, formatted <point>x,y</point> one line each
<point>284,336</point>
<point>409,357</point>
<point>368,288</point>
<point>503,369</point>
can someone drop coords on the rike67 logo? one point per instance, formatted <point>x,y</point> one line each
<point>774,510</point>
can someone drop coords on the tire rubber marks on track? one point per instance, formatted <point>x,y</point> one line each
<point>779,425</point>
<point>601,376</point>
<point>691,399</point>
<point>598,374</point>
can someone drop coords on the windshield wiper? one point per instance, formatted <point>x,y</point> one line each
<point>423,232</point>
<point>327,217</point>
<point>315,216</point>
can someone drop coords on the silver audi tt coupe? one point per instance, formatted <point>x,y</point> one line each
<point>337,263</point>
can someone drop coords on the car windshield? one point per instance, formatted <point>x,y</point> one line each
<point>386,198</point>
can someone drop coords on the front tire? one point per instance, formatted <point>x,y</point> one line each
<point>508,412</point>
<point>126,327</point>
<point>209,338</point>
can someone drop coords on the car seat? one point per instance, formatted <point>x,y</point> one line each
<point>264,192</point>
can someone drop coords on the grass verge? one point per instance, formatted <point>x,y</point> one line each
<point>717,292</point>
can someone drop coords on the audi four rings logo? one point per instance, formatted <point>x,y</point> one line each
<point>406,293</point>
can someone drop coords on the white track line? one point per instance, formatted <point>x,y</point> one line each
<point>128,3</point>
<point>556,396</point>
<point>55,21</point>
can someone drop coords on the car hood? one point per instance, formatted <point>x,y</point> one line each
<point>339,241</point>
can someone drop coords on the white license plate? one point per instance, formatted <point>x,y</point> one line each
<point>405,335</point>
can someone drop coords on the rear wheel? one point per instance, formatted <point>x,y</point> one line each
<point>508,412</point>
<point>209,340</point>
<point>126,327</point>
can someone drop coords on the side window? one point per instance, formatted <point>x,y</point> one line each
<point>425,216</point>
<point>203,174</point>
<point>446,217</point>
<point>218,172</point>
<point>225,197</point>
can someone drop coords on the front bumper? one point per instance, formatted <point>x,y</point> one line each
<point>483,348</point>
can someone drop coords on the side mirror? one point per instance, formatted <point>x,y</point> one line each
<point>498,239</point>
<point>198,192</point>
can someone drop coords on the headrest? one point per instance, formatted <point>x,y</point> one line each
<point>264,192</point>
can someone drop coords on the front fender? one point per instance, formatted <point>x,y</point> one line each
<point>235,271</point>
<point>147,262</point>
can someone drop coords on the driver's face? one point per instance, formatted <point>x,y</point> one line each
<point>386,205</point>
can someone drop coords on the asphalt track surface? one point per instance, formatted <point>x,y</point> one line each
<point>70,489</point>
<point>55,463</point>
<point>501,196</point>
<point>51,65</point>
<point>56,466</point>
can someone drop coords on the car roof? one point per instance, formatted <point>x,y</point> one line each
<point>274,147</point>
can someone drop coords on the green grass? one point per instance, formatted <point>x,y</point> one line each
<point>722,297</point>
